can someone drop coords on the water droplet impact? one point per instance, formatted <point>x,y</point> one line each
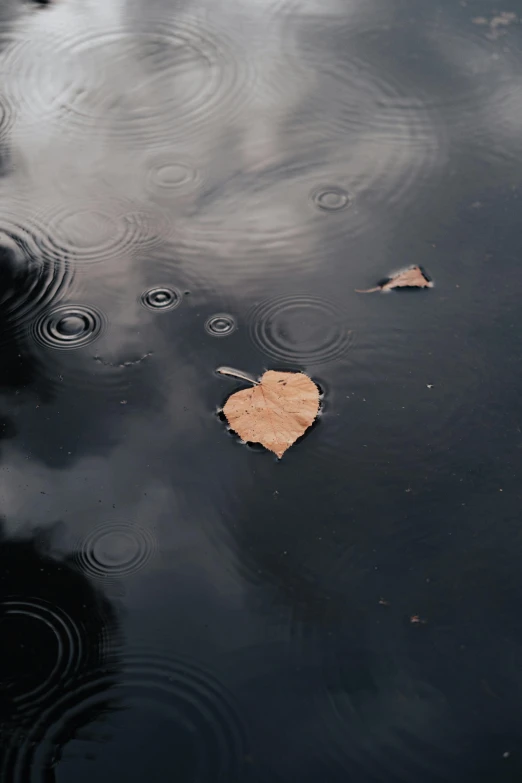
<point>69,326</point>
<point>195,711</point>
<point>220,325</point>
<point>168,177</point>
<point>115,550</point>
<point>160,298</point>
<point>331,199</point>
<point>299,329</point>
<point>172,175</point>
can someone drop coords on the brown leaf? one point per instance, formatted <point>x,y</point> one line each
<point>276,411</point>
<point>413,277</point>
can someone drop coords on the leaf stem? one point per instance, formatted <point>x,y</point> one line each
<point>243,376</point>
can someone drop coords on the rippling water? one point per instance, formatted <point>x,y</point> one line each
<point>178,605</point>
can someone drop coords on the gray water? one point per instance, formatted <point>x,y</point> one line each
<point>187,185</point>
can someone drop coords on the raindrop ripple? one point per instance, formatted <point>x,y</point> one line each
<point>115,550</point>
<point>69,326</point>
<point>181,77</point>
<point>299,329</point>
<point>330,199</point>
<point>202,719</point>
<point>6,119</point>
<point>27,618</point>
<point>220,325</point>
<point>35,282</point>
<point>160,298</point>
<point>168,176</point>
<point>87,235</point>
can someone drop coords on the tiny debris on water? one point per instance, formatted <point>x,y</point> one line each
<point>412,277</point>
<point>415,619</point>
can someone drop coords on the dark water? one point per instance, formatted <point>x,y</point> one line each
<point>192,184</point>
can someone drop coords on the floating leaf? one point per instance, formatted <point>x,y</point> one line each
<point>413,277</point>
<point>276,411</point>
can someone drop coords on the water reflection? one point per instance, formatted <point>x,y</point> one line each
<point>59,661</point>
<point>30,284</point>
<point>177,172</point>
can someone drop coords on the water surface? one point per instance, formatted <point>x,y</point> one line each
<point>194,184</point>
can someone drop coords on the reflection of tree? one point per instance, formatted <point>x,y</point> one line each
<point>17,278</point>
<point>18,282</point>
<point>58,656</point>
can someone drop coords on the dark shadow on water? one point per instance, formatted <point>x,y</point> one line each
<point>59,657</point>
<point>18,277</point>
